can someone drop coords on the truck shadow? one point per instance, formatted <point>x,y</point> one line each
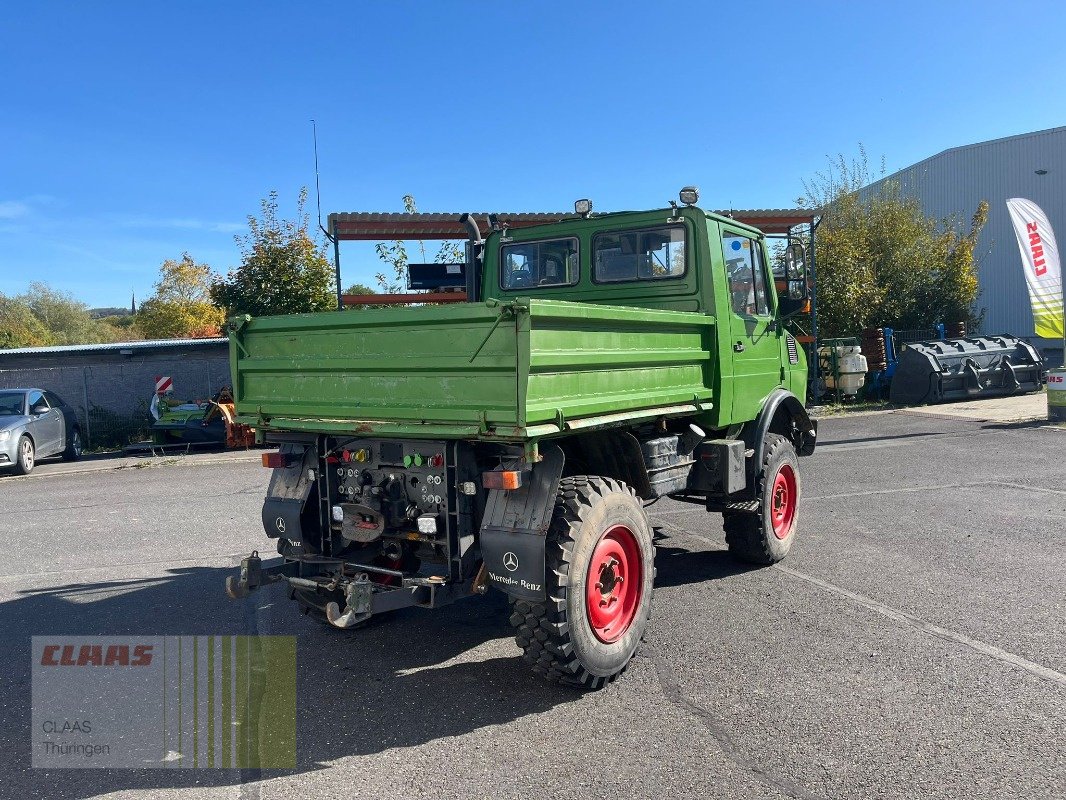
<point>406,679</point>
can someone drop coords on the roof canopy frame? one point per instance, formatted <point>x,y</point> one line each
<point>373,226</point>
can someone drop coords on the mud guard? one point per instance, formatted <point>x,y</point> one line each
<point>287,493</point>
<point>515,528</point>
<point>806,428</point>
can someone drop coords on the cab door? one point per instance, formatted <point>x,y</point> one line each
<point>755,336</point>
<point>46,428</point>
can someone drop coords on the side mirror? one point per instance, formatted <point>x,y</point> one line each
<point>39,408</point>
<point>795,261</point>
<point>796,272</point>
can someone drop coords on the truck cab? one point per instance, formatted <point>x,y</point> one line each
<point>681,259</point>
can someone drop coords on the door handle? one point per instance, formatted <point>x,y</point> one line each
<point>738,347</point>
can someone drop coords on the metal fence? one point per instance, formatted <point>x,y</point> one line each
<point>903,337</point>
<point>112,400</point>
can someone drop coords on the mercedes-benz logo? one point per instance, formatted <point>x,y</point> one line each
<point>510,561</point>
<point>279,523</point>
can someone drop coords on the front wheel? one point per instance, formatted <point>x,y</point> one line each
<point>25,457</point>
<point>762,531</point>
<point>599,575</point>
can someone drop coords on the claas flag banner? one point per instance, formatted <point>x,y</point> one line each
<point>1040,259</point>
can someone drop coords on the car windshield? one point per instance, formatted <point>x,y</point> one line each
<point>12,403</point>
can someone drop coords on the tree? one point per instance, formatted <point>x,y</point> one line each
<point>66,320</point>
<point>284,270</point>
<point>181,306</point>
<point>360,288</point>
<point>881,261</point>
<point>123,328</point>
<point>395,255</point>
<point>19,327</point>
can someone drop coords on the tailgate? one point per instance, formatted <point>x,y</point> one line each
<point>443,369</point>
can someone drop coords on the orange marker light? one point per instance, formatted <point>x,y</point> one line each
<point>506,479</point>
<point>274,460</point>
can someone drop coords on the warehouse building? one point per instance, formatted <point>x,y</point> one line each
<point>110,385</point>
<point>1030,165</point>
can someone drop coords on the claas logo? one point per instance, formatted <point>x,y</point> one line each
<point>95,655</point>
<point>1036,244</point>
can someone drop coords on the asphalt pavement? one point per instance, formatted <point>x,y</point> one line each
<point>912,645</point>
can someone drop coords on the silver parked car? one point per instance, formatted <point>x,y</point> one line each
<point>35,424</point>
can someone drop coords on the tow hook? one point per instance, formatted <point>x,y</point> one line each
<point>358,594</point>
<point>249,579</point>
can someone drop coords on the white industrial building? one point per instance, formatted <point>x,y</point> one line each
<point>1030,165</point>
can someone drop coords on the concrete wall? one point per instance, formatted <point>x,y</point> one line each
<point>111,392</point>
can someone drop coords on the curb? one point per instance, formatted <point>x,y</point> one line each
<point>144,463</point>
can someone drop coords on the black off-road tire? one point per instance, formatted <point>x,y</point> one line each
<point>557,636</point>
<point>750,525</point>
<point>25,456</point>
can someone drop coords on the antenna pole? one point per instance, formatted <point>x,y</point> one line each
<point>318,203</point>
<point>318,185</point>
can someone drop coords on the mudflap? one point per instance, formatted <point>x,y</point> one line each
<point>515,527</point>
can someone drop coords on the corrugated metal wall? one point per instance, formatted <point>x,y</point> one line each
<point>955,181</point>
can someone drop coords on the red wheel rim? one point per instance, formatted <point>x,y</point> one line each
<point>783,502</point>
<point>613,584</point>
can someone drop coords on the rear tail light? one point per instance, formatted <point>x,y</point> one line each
<point>274,460</point>
<point>505,479</point>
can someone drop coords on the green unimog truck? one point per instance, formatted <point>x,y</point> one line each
<point>587,365</point>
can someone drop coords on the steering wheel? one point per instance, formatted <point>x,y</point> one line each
<point>521,279</point>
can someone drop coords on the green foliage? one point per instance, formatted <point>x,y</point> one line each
<point>181,306</point>
<point>19,327</point>
<point>46,316</point>
<point>284,270</point>
<point>394,280</point>
<point>881,261</point>
<point>123,328</point>
<point>360,288</point>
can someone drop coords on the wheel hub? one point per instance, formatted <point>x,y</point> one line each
<point>612,587</point>
<point>783,499</point>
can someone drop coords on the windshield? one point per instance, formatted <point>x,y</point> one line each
<point>12,403</point>
<point>533,264</point>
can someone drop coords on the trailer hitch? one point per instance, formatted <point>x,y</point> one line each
<point>252,576</point>
<point>358,596</point>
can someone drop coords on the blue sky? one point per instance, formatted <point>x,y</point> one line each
<point>131,132</point>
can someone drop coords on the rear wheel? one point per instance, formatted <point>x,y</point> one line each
<point>25,457</point>
<point>762,531</point>
<point>599,575</point>
<point>74,447</point>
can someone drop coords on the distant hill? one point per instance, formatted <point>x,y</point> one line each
<point>100,313</point>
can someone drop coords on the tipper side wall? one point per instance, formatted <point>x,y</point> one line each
<point>469,370</point>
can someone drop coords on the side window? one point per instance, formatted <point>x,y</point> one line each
<point>747,278</point>
<point>526,265</point>
<point>643,255</point>
<point>762,302</point>
<point>33,399</point>
<point>53,399</point>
